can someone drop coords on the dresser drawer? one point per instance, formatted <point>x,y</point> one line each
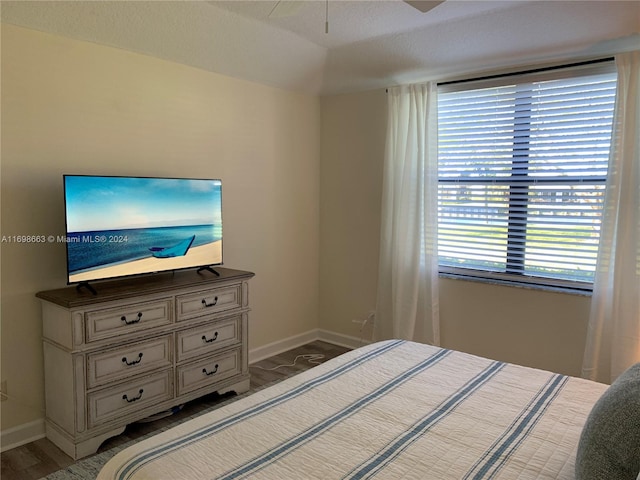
<point>126,361</point>
<point>208,301</point>
<point>202,373</point>
<point>207,339</point>
<point>127,319</point>
<point>123,399</point>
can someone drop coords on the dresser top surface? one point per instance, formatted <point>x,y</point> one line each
<point>124,288</point>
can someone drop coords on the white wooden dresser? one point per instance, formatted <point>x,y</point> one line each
<point>138,347</point>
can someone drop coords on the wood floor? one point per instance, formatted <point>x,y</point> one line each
<point>40,458</point>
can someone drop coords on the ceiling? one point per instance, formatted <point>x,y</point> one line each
<point>370,44</point>
<point>356,21</point>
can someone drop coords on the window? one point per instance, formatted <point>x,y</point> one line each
<point>522,166</point>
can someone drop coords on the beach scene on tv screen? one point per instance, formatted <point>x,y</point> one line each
<point>120,226</point>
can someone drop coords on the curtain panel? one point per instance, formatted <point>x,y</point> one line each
<point>613,335</point>
<point>407,304</point>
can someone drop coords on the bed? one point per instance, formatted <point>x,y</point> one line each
<point>389,410</point>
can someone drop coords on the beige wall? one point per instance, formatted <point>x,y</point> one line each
<point>76,107</point>
<point>531,327</point>
<point>352,154</point>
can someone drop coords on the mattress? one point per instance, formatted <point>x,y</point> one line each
<point>390,410</point>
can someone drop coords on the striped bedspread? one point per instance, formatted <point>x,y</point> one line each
<point>390,410</point>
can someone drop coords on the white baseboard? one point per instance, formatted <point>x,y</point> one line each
<point>279,346</point>
<point>29,432</point>
<point>341,339</point>
<point>22,434</point>
<point>289,343</point>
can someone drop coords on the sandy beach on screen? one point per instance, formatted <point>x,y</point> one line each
<point>209,254</point>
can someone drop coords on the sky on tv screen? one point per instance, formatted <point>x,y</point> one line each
<point>120,203</point>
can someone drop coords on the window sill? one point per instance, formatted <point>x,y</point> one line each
<point>515,284</point>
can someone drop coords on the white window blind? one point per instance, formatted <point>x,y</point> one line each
<point>522,171</point>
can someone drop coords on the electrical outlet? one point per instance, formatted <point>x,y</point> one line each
<point>371,317</point>
<point>4,395</point>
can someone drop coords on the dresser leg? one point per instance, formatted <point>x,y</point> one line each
<point>239,387</point>
<point>79,449</point>
<point>90,446</point>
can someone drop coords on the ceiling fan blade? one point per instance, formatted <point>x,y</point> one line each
<point>286,8</point>
<point>424,5</point>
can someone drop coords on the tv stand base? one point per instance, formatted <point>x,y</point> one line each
<point>209,269</point>
<point>87,286</point>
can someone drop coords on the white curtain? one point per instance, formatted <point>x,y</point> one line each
<point>407,304</point>
<point>613,336</point>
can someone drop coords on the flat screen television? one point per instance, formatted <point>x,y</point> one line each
<point>122,226</point>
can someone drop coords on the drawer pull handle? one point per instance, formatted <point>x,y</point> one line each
<point>133,362</point>
<point>204,338</point>
<point>204,370</point>
<point>204,302</point>
<point>124,319</point>
<point>129,400</point>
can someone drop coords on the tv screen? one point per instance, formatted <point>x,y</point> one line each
<point>120,226</point>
